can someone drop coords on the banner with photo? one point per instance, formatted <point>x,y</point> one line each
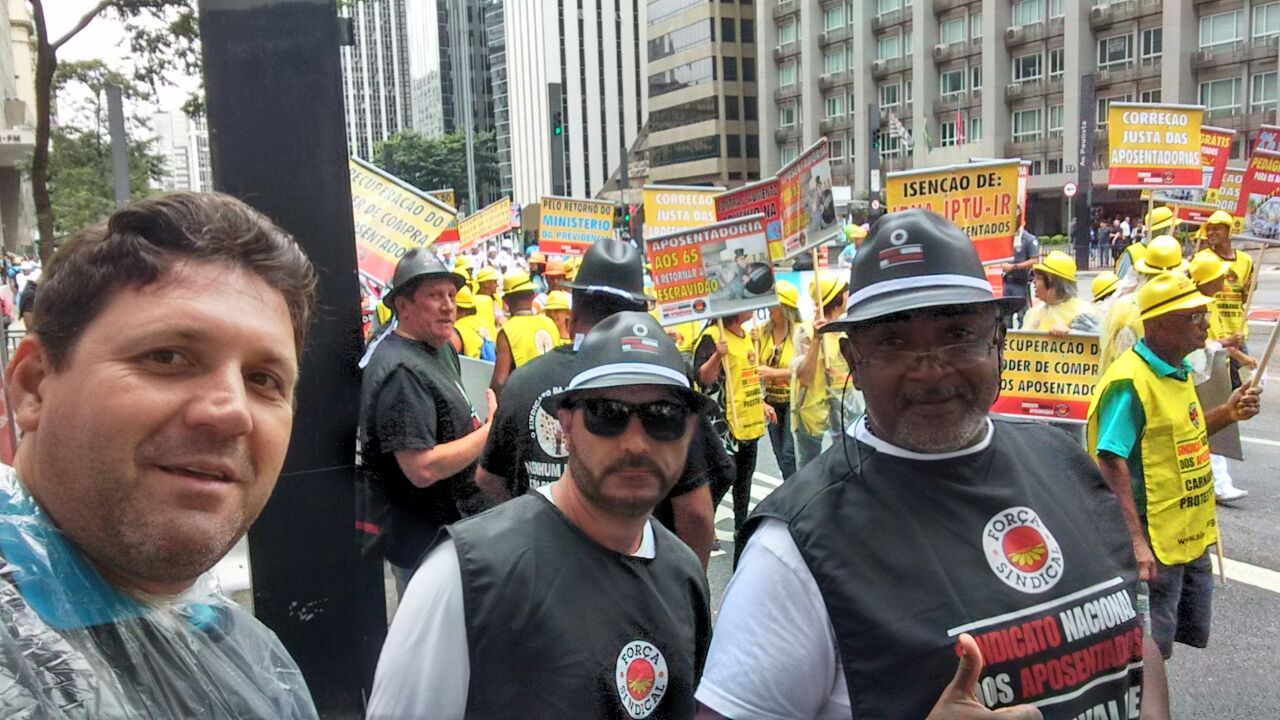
<point>568,226</point>
<point>713,271</point>
<point>758,197</point>
<point>391,218</point>
<point>1268,140</point>
<point>1215,148</point>
<point>671,208</point>
<point>1153,146</point>
<point>1259,203</point>
<point>807,202</point>
<point>490,222</point>
<point>982,198</point>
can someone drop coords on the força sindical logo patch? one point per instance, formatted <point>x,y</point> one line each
<point>642,678</point>
<point>1021,551</point>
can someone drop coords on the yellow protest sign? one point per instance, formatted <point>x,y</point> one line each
<point>1048,377</point>
<point>672,208</point>
<point>492,221</point>
<point>567,226</point>
<point>391,218</point>
<point>981,197</point>
<point>446,196</point>
<point>1153,146</point>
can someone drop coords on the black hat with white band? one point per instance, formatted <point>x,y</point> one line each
<point>628,348</point>
<point>611,267</point>
<point>915,259</point>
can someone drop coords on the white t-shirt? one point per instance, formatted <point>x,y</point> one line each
<point>425,668</point>
<point>773,655</point>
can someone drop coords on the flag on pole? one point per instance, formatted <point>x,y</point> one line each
<point>959,127</point>
<point>900,130</point>
<point>928,140</point>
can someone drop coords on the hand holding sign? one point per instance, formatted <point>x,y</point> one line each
<point>960,700</point>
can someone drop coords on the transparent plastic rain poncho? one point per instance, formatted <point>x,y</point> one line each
<point>72,646</point>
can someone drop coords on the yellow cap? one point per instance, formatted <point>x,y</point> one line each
<point>788,295</point>
<point>830,284</point>
<point>557,300</point>
<point>1059,264</point>
<point>1206,267</point>
<point>1220,217</point>
<point>488,273</point>
<point>555,267</point>
<point>538,259</point>
<point>1163,254</point>
<point>465,299</point>
<point>462,262</point>
<point>1169,292</point>
<point>1103,285</point>
<point>1161,218</point>
<point>517,281</point>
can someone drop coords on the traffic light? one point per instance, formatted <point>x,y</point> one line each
<point>557,124</point>
<point>626,213</point>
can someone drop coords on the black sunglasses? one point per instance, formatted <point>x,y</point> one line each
<point>663,420</point>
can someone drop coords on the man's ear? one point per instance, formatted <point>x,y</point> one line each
<point>565,416</point>
<point>27,370</point>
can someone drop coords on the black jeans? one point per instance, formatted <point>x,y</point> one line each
<point>744,462</point>
<point>784,444</point>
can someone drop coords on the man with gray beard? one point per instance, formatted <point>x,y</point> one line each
<point>932,536</point>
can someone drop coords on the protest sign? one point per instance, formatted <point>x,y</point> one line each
<point>446,196</point>
<point>979,197</point>
<point>1268,140</point>
<point>391,218</point>
<point>1153,146</point>
<point>1258,204</point>
<point>806,201</point>
<point>759,197</point>
<point>1215,147</point>
<point>567,226</point>
<point>490,222</point>
<point>1048,377</point>
<point>670,208</point>
<point>712,271</point>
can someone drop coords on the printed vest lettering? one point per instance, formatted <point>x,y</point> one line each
<point>1229,302</point>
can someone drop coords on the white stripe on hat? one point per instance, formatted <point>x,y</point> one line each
<point>610,290</point>
<point>915,282</point>
<point>630,368</point>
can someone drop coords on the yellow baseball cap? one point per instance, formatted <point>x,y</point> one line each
<point>1169,292</point>
<point>1059,264</point>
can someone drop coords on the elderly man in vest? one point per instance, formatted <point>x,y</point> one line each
<point>1150,435</point>
<point>930,532</point>
<point>570,602</point>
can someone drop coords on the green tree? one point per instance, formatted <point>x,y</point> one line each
<point>80,179</point>
<point>433,163</point>
<point>163,38</point>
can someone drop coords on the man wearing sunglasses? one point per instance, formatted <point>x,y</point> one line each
<point>570,602</point>
<point>1151,438</point>
<point>930,535</point>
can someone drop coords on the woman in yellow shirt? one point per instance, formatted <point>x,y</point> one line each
<point>777,350</point>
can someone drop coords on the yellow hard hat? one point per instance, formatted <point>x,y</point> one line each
<point>571,267</point>
<point>1059,264</point>
<point>788,295</point>
<point>557,300</point>
<point>462,272</point>
<point>1163,254</point>
<point>517,281</point>
<point>830,284</point>
<point>1161,218</point>
<point>465,299</point>
<point>462,262</point>
<point>1103,285</point>
<point>488,273</point>
<point>537,258</point>
<point>1168,292</point>
<point>555,267</point>
<point>1206,267</point>
<point>1220,217</point>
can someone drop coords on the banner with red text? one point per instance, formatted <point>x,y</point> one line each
<point>1153,146</point>
<point>982,198</point>
<point>758,197</point>
<point>713,271</point>
<point>808,204</point>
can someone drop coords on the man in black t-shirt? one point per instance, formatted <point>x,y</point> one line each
<point>526,448</point>
<point>419,437</point>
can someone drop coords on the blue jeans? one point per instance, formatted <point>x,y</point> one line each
<point>784,447</point>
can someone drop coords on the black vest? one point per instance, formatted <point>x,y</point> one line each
<point>908,554</point>
<point>560,627</point>
<point>397,517</point>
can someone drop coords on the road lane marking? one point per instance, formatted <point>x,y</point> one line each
<point>1249,574</point>
<point>1261,441</point>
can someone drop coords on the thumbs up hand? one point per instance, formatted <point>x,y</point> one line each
<point>959,700</point>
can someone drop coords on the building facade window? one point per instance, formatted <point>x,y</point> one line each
<point>680,39</point>
<point>1027,125</point>
<point>951,82</point>
<point>1056,9</point>
<point>686,151</point>
<point>748,30</point>
<point>1149,96</point>
<point>787,32</point>
<point>1221,96</point>
<point>887,6</point>
<point>789,153</point>
<point>662,9</point>
<point>750,108</point>
<point>682,76</point>
<point>731,111</point>
<point>1152,42</point>
<point>728,30</point>
<point>947,133</point>
<point>1221,28</point>
<point>834,106</point>
<point>1105,103</point>
<point>1027,67</point>
<point>730,68</point>
<point>890,95</point>
<point>1262,92</point>
<point>787,116</point>
<point>833,18</point>
<point>1266,20</point>
<point>951,31</point>
<point>686,114</point>
<point>1028,12</point>
<point>1057,63</point>
<point>787,74</point>
<point>890,143</point>
<point>836,150</point>
<point>748,69</point>
<point>833,62</point>
<point>975,25</point>
<point>1054,166</point>
<point>889,47</point>
<point>1055,121</point>
<point>975,129</point>
<point>1116,50</point>
<point>975,77</point>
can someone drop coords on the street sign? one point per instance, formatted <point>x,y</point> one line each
<point>875,204</point>
<point>1069,189</point>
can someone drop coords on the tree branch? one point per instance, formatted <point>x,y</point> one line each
<point>84,22</point>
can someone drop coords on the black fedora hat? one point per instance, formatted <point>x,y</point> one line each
<point>415,266</point>
<point>612,267</point>
<point>915,259</point>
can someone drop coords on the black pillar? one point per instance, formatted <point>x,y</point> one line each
<point>274,90</point>
<point>1084,172</point>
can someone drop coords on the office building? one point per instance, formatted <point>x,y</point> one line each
<point>17,126</point>
<point>376,89</point>
<point>183,144</point>
<point>1001,79</point>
